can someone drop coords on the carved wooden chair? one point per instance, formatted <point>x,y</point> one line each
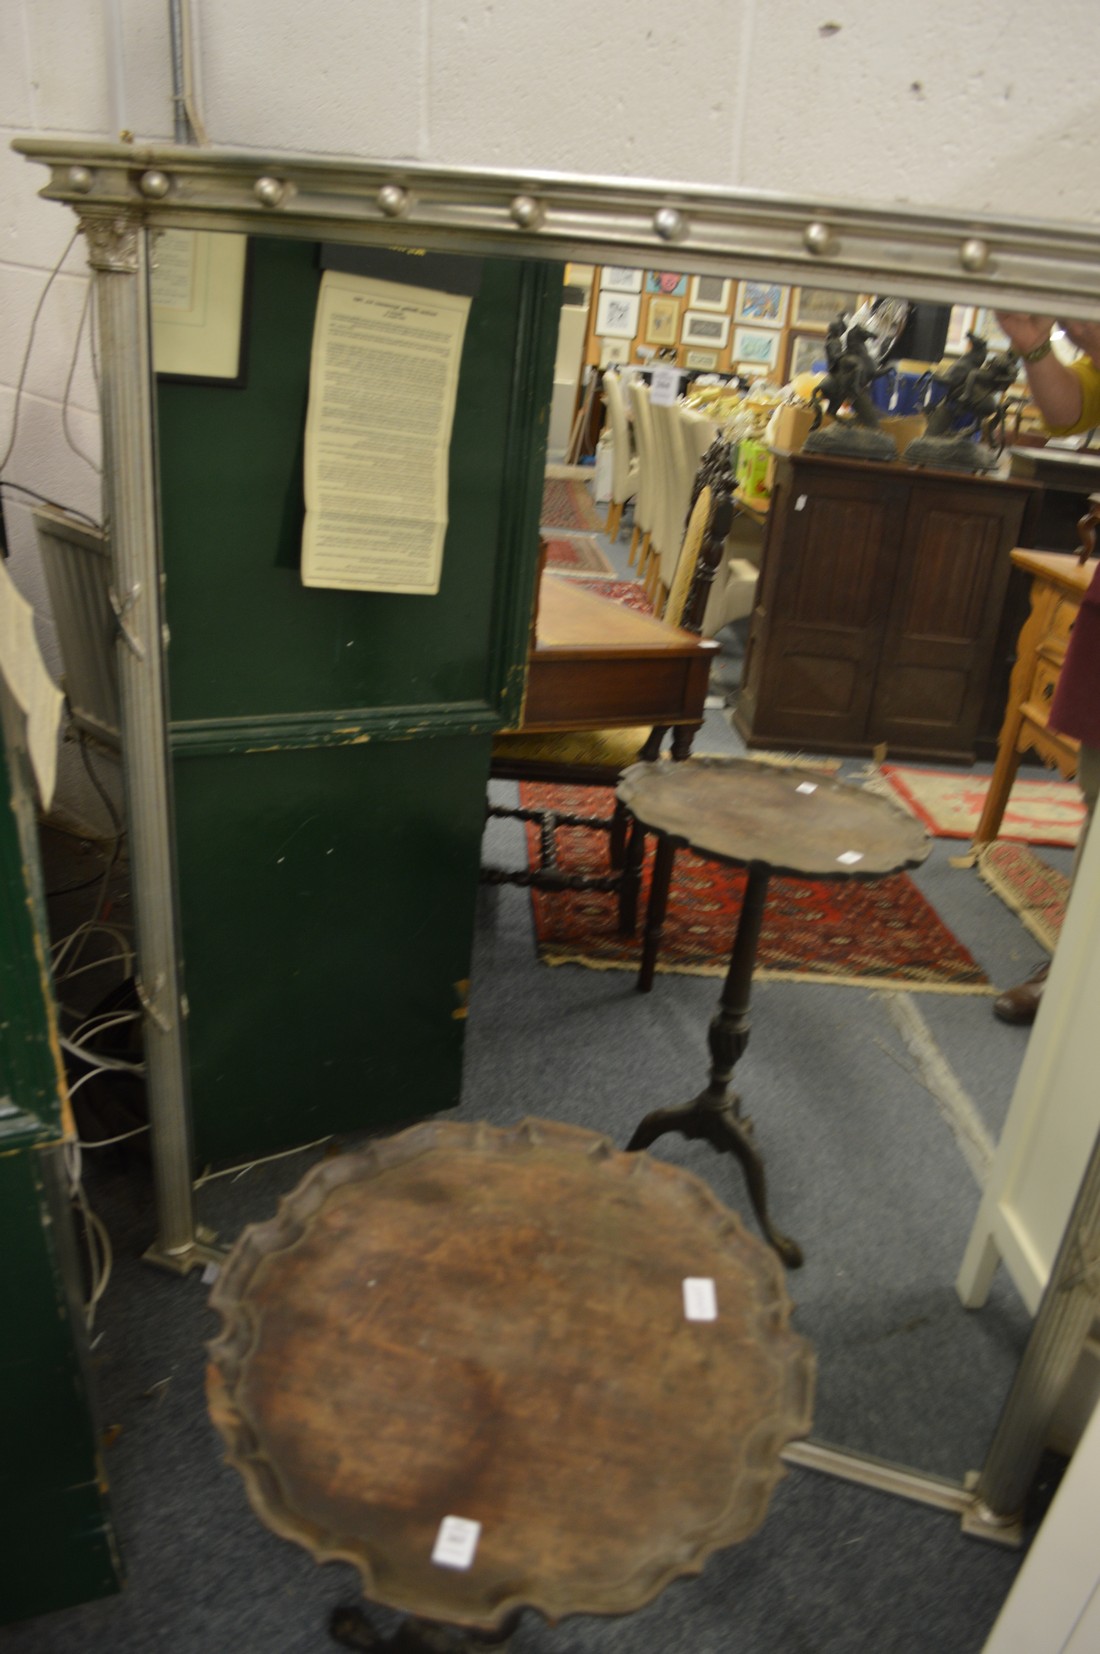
<point>596,758</point>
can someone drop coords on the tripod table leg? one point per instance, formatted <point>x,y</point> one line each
<point>715,1114</point>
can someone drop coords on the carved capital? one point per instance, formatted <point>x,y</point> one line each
<point>112,243</point>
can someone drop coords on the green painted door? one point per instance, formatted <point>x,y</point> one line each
<point>331,748</point>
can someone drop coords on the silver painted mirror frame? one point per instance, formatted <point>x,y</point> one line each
<point>120,192</point>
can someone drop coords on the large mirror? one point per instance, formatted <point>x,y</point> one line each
<point>877,1100</point>
<point>877,1103</point>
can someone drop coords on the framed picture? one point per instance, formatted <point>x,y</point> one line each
<point>699,327</point>
<point>960,323</point>
<point>704,361</point>
<point>198,302</point>
<point>709,293</point>
<point>816,306</point>
<point>662,322</point>
<point>758,346</point>
<point>669,282</point>
<point>615,278</point>
<point>761,303</point>
<point>613,352</point>
<point>617,315</point>
<point>807,351</point>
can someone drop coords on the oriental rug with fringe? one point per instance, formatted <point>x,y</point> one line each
<point>863,933</point>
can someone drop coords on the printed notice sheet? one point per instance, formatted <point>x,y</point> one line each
<point>383,380</point>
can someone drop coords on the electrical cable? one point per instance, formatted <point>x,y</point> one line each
<point>116,822</point>
<point>44,499</point>
<point>107,1142</point>
<point>102,1064</point>
<point>250,1165</point>
<point>21,381</point>
<point>77,450</point>
<point>61,948</point>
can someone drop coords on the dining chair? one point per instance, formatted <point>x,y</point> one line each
<point>596,758</point>
<point>624,464</point>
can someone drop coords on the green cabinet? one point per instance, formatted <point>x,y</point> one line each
<point>56,1542</point>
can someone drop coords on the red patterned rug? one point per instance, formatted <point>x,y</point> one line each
<point>578,556</point>
<point>1036,893</point>
<point>950,803</point>
<point>863,933</point>
<point>630,592</point>
<point>567,504</point>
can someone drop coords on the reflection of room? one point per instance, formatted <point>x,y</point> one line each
<point>934,694</point>
<point>878,1154</point>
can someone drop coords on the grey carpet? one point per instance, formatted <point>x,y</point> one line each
<point>865,1170</point>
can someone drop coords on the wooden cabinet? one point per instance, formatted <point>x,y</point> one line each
<point>1058,582</point>
<point>879,607</point>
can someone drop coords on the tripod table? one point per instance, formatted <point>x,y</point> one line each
<point>498,1368</point>
<point>768,818</point>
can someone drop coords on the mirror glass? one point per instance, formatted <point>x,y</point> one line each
<point>876,1100</point>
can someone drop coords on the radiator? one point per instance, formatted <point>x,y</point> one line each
<point>77,566</point>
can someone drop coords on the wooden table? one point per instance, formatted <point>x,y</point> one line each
<point>597,664</point>
<point>1059,580</point>
<point>495,1325</point>
<point>769,818</point>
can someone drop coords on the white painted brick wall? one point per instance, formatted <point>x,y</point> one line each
<point>957,103</point>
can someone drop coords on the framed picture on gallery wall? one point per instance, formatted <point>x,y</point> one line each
<point>806,354</point>
<point>615,278</point>
<point>761,303</point>
<point>617,315</point>
<point>704,361</point>
<point>669,282</point>
<point>614,352</point>
<point>758,346</point>
<point>699,327</point>
<point>960,323</point>
<point>709,293</point>
<point>816,306</point>
<point>662,322</point>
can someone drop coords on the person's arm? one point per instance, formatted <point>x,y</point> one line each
<point>1057,390</point>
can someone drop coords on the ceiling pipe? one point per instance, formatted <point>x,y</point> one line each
<point>187,122</point>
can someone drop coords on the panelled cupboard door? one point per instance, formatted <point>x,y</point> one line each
<point>330,749</point>
<point>825,586</point>
<point>949,593</point>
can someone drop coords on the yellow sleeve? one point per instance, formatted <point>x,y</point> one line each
<point>1089,375</point>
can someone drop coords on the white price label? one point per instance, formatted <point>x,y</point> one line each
<point>210,1273</point>
<point>456,1542</point>
<point>700,1299</point>
<point>850,857</point>
<point>800,503</point>
<point>806,787</point>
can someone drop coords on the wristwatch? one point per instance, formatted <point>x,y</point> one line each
<point>1040,351</point>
